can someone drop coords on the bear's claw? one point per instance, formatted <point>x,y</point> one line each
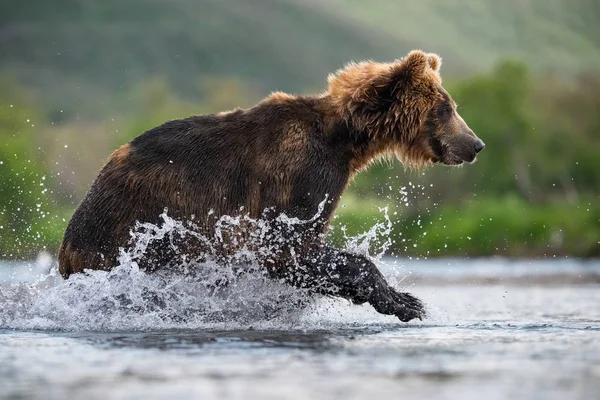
<point>405,306</point>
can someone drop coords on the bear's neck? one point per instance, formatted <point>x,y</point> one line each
<point>360,147</point>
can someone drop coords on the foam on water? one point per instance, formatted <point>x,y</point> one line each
<point>190,295</point>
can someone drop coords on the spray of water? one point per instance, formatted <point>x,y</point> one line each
<point>197,293</point>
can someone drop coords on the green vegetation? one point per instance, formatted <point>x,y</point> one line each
<point>27,219</point>
<point>80,78</point>
<point>506,226</point>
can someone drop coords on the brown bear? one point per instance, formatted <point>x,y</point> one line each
<point>285,155</point>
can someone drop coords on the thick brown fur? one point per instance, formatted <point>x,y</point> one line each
<point>287,154</point>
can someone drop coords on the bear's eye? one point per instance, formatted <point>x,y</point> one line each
<point>444,112</point>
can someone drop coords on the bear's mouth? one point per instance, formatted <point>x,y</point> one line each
<point>452,158</point>
<point>450,153</point>
<point>436,148</point>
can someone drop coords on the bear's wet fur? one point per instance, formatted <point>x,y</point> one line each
<point>286,155</point>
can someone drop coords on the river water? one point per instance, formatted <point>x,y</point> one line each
<point>496,329</point>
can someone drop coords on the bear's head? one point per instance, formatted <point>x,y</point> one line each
<point>401,109</point>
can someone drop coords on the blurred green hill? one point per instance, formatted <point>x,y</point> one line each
<point>85,56</point>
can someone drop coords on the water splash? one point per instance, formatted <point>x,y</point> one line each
<point>195,294</point>
<point>361,243</point>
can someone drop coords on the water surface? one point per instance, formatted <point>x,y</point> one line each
<point>497,328</point>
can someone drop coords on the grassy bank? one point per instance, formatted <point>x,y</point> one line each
<point>507,226</point>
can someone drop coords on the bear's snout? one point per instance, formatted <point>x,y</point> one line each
<point>479,145</point>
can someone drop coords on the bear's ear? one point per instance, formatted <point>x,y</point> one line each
<point>415,63</point>
<point>435,61</point>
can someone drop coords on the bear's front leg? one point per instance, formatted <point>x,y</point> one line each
<point>334,272</point>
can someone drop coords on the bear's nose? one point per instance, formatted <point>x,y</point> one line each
<point>479,145</point>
